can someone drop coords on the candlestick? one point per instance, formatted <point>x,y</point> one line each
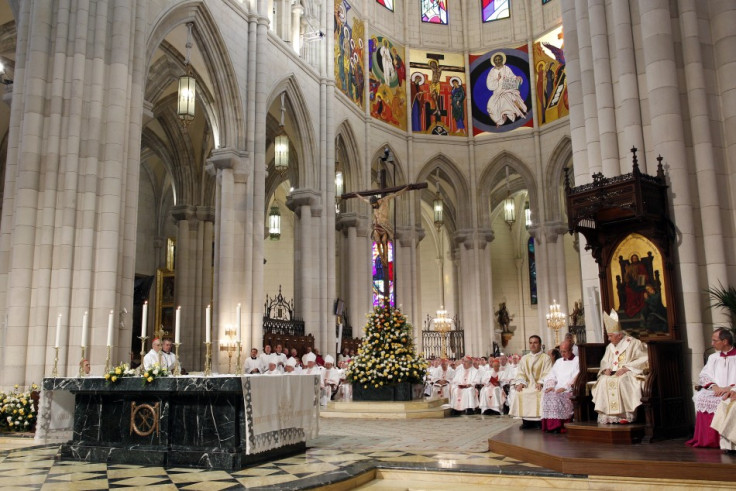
<point>238,337</point>
<point>177,331</point>
<point>239,368</point>
<point>208,359</point>
<point>109,329</point>
<point>85,333</point>
<point>81,363</point>
<point>208,326</point>
<point>107,359</point>
<point>55,371</point>
<point>58,330</point>
<point>144,321</point>
<point>177,366</point>
<point>143,352</point>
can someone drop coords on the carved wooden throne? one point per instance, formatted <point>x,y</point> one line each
<point>625,221</point>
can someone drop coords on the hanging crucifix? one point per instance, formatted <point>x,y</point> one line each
<point>382,227</point>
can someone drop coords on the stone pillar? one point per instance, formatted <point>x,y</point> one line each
<point>296,25</point>
<point>354,276</point>
<point>191,348</point>
<point>587,79</point>
<point>406,271</point>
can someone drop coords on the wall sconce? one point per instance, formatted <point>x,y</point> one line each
<point>185,108</point>
<point>274,223</point>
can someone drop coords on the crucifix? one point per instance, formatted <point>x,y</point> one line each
<point>382,227</point>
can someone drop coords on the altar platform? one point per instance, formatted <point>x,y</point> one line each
<point>668,459</point>
<point>218,422</point>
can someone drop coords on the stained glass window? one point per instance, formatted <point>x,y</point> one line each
<point>381,277</point>
<point>389,4</point>
<point>434,11</point>
<point>532,272</point>
<point>545,1</point>
<point>495,9</point>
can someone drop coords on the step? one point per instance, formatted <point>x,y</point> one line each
<point>626,434</point>
<point>387,410</point>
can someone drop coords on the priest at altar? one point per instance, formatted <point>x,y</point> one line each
<point>556,404</point>
<point>533,367</point>
<point>715,421</point>
<point>617,392</point>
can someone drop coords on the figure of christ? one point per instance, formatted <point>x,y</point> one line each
<point>435,80</point>
<point>383,231</point>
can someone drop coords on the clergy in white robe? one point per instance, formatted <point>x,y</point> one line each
<point>724,422</point>
<point>265,357</point>
<point>331,378</point>
<point>556,404</point>
<point>290,366</point>
<point>273,368</point>
<point>314,369</point>
<point>155,356</point>
<point>440,379</point>
<point>533,367</point>
<point>716,380</point>
<point>463,395</point>
<point>617,392</point>
<point>253,362</point>
<point>492,397</point>
<point>168,358</point>
<point>280,358</point>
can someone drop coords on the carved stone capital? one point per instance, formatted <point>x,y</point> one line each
<point>206,213</point>
<point>299,198</point>
<point>183,212</point>
<point>345,221</point>
<point>228,158</point>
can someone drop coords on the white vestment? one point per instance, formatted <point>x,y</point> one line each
<point>152,357</point>
<point>491,396</point>
<point>464,398</point>
<point>527,404</point>
<point>721,371</point>
<point>324,392</point>
<point>281,361</point>
<point>264,359</point>
<point>508,377</point>
<point>562,376</point>
<point>617,397</point>
<point>441,390</point>
<point>252,364</point>
<point>505,102</point>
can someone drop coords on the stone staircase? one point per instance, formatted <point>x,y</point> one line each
<point>422,409</point>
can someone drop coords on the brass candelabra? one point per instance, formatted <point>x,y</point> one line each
<point>55,371</point>
<point>107,359</point>
<point>177,365</point>
<point>239,368</point>
<point>208,360</point>
<point>556,320</point>
<point>143,352</point>
<point>81,362</point>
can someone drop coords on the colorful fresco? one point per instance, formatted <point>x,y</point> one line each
<point>389,4</point>
<point>387,78</point>
<point>495,10</point>
<point>434,11</point>
<point>438,93</point>
<point>349,35</point>
<point>549,68</point>
<point>501,90</point>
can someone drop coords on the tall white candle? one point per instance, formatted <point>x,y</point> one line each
<point>109,328</point>
<point>208,325</point>
<point>144,321</point>
<point>177,329</point>
<point>85,333</point>
<point>237,319</point>
<point>58,330</point>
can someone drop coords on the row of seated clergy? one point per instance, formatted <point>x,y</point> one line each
<point>471,388</point>
<point>617,392</point>
<point>715,420</point>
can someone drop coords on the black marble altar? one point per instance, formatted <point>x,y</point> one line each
<point>200,422</point>
<point>398,392</point>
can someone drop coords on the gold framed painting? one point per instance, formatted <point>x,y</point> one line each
<point>165,306</point>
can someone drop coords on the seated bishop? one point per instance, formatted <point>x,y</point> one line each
<point>440,379</point>
<point>331,376</point>
<point>463,395</point>
<point>713,427</point>
<point>556,403</point>
<point>313,369</point>
<point>527,401</point>
<point>617,392</point>
<point>492,397</point>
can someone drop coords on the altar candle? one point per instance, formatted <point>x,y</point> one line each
<point>58,330</point>
<point>208,325</point>
<point>237,319</point>
<point>85,333</point>
<point>109,328</point>
<point>144,321</point>
<point>177,330</point>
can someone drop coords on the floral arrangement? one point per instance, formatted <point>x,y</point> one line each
<point>387,355</point>
<point>156,371</point>
<point>117,373</point>
<point>17,412</point>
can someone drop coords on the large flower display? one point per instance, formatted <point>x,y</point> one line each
<point>387,355</point>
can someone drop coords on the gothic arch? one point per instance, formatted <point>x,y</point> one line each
<point>492,175</point>
<point>352,166</point>
<point>298,113</point>
<point>227,119</point>
<point>459,210</point>
<point>558,160</point>
<point>378,154</point>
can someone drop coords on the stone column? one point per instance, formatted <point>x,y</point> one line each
<point>408,294</point>
<point>354,276</point>
<point>296,25</point>
<point>185,216</point>
<point>587,79</point>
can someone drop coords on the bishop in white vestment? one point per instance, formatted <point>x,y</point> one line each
<point>617,392</point>
<point>463,395</point>
<point>440,379</point>
<point>492,397</point>
<point>556,404</point>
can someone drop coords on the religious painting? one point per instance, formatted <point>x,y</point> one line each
<point>550,76</point>
<point>383,278</point>
<point>349,45</point>
<point>387,79</point>
<point>389,4</point>
<point>434,11</point>
<point>495,10</point>
<point>165,307</point>
<point>636,276</point>
<point>501,91</point>
<point>437,82</point>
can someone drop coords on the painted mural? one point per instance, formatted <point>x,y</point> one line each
<point>387,78</point>
<point>349,44</point>
<point>549,68</point>
<point>500,90</point>
<point>438,93</point>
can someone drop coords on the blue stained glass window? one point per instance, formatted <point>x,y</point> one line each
<point>389,4</point>
<point>381,277</point>
<point>434,11</point>
<point>545,1</point>
<point>495,9</point>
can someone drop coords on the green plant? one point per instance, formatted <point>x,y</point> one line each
<point>153,373</point>
<point>17,412</point>
<point>724,298</point>
<point>117,373</point>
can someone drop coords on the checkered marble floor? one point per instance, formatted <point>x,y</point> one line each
<point>342,450</point>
